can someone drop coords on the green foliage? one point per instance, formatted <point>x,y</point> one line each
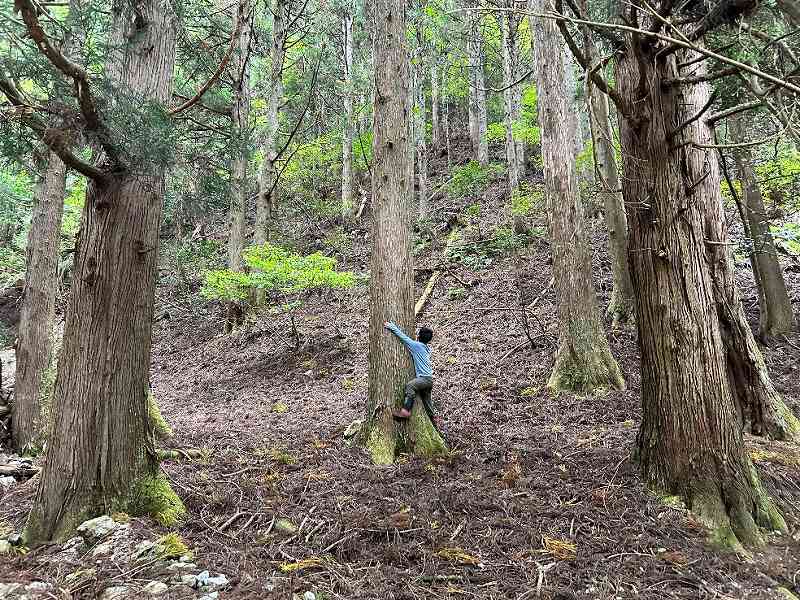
<point>585,158</point>
<point>472,179</point>
<point>526,198</point>
<point>481,253</point>
<point>172,546</point>
<point>273,269</point>
<point>313,168</point>
<point>495,133</point>
<point>788,235</point>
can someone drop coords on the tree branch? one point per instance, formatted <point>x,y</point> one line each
<point>729,112</point>
<point>701,78</point>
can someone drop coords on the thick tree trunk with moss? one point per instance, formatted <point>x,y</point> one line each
<point>620,307</point>
<point>240,120</point>
<point>100,456</point>
<point>583,361</point>
<point>776,316</point>
<point>392,269</point>
<point>690,442</point>
<point>35,353</point>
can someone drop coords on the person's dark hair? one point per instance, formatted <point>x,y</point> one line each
<point>425,335</point>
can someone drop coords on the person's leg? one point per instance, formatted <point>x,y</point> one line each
<point>413,387</point>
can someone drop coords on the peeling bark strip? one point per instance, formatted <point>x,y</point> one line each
<point>583,361</point>
<point>392,269</point>
<point>35,354</point>
<point>100,456</point>
<point>690,442</point>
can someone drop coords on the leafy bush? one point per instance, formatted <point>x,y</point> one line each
<point>472,179</point>
<point>525,198</point>
<point>495,133</point>
<point>480,254</point>
<point>274,269</point>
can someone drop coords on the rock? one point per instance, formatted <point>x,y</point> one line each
<point>353,428</point>
<point>5,548</point>
<point>104,548</point>
<point>37,586</point>
<point>155,588</point>
<point>6,589</point>
<point>7,481</point>
<point>202,578</point>
<point>114,593</point>
<point>181,566</point>
<point>15,539</point>
<point>214,583</point>
<point>309,596</point>
<point>211,596</point>
<point>95,529</point>
<point>189,580</point>
<point>146,549</point>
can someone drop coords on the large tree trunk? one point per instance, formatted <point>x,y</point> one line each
<point>35,352</point>
<point>240,120</point>
<point>620,307</point>
<point>100,456</point>
<point>267,200</point>
<point>420,149</point>
<point>392,279</point>
<point>348,210</point>
<point>583,361</point>
<point>477,89</point>
<point>776,316</point>
<point>690,442</point>
<point>436,135</point>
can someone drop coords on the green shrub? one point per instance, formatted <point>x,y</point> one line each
<point>526,198</point>
<point>472,179</point>
<point>273,269</point>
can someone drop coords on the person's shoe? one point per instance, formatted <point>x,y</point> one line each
<point>401,413</point>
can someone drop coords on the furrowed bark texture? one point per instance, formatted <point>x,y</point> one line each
<point>240,120</point>
<point>100,456</point>
<point>512,100</point>
<point>583,361</point>
<point>690,441</point>
<point>477,89</point>
<point>392,279</point>
<point>34,349</point>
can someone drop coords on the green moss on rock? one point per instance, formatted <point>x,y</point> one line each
<point>152,495</point>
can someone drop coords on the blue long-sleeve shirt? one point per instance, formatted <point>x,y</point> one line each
<point>420,352</point>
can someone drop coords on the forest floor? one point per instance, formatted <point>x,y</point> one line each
<point>538,498</point>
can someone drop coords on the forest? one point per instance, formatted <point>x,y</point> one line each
<point>375,299</point>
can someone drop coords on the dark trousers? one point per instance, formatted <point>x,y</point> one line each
<point>423,387</point>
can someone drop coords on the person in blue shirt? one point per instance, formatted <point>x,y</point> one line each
<point>422,384</point>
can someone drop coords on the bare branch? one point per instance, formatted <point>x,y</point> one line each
<point>733,111</point>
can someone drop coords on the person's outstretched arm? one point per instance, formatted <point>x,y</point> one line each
<point>399,333</point>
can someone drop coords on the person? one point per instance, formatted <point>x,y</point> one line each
<point>422,384</point>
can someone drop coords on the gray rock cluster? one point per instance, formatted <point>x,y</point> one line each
<point>104,541</point>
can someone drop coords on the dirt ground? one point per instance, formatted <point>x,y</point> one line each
<point>539,498</point>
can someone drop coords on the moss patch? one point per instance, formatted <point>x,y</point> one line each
<point>152,495</point>
<point>173,546</point>
<point>157,422</point>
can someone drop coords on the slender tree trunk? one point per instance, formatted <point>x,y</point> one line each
<point>515,149</point>
<point>620,307</point>
<point>446,125</point>
<point>583,361</point>
<point>35,352</point>
<point>348,210</point>
<point>477,90</point>
<point>267,200</point>
<point>776,316</point>
<point>392,280</point>
<point>690,442</point>
<point>240,120</point>
<point>436,134</point>
<point>100,456</point>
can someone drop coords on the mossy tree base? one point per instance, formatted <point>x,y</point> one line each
<point>585,372</point>
<point>385,439</point>
<point>621,311</point>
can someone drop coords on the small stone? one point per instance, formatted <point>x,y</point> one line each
<point>114,593</point>
<point>186,558</point>
<point>309,596</point>
<point>146,547</point>
<point>181,566</point>
<point>155,588</point>
<point>214,583</point>
<point>97,528</point>
<point>189,580</point>
<point>211,596</point>
<point>15,539</point>
<point>353,428</point>
<point>6,589</point>
<point>202,578</point>
<point>37,586</point>
<point>104,548</point>
<point>7,481</point>
<point>5,547</point>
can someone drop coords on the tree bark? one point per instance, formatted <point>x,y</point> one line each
<point>620,307</point>
<point>512,103</point>
<point>348,209</point>
<point>240,120</point>
<point>477,91</point>
<point>34,348</point>
<point>690,442</point>
<point>267,200</point>
<point>583,361</point>
<point>436,135</point>
<point>100,456</point>
<point>420,149</point>
<point>776,315</point>
<point>392,279</point>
